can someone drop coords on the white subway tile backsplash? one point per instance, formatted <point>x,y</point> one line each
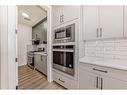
<point>115,48</point>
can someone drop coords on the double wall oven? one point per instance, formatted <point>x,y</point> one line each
<point>64,54</point>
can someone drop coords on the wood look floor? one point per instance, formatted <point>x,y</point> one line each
<point>32,79</point>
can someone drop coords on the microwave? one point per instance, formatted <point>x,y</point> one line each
<point>65,34</point>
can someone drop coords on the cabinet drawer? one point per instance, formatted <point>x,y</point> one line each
<point>105,71</point>
<point>94,68</point>
<point>64,81</point>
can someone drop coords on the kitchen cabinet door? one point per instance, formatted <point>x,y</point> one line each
<point>56,15</point>
<point>62,14</point>
<point>125,21</point>
<point>111,21</point>
<point>112,83</point>
<point>37,60</point>
<point>40,62</point>
<point>90,22</point>
<point>70,13</point>
<point>87,80</point>
<point>44,64</point>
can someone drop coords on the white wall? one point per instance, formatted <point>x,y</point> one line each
<point>24,38</point>
<point>7,47</point>
<point>4,47</point>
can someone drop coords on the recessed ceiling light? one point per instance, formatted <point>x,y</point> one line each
<point>27,19</point>
<point>25,15</point>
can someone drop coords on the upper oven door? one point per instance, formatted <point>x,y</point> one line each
<point>58,58</point>
<point>63,58</point>
<point>63,55</point>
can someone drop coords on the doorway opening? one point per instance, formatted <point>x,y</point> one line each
<point>32,48</point>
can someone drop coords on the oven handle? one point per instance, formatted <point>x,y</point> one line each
<point>30,56</point>
<point>63,50</point>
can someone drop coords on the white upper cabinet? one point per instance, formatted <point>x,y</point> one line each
<point>102,22</point>
<point>111,21</point>
<point>125,21</point>
<point>70,13</point>
<point>90,22</point>
<point>56,18</point>
<point>62,14</point>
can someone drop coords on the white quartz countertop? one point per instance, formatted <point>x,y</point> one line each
<point>41,53</point>
<point>113,63</point>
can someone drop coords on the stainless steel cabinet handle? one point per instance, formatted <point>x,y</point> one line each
<point>101,83</point>
<point>100,70</point>
<point>101,32</point>
<point>96,82</point>
<point>61,80</point>
<point>41,58</point>
<point>62,18</point>
<point>97,32</point>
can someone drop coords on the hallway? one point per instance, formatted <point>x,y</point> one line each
<point>32,79</point>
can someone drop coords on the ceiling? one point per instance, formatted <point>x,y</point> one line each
<point>36,14</point>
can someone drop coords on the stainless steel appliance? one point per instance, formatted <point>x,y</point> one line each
<point>63,58</point>
<point>65,34</point>
<point>30,59</point>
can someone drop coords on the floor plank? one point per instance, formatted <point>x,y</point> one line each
<point>32,79</point>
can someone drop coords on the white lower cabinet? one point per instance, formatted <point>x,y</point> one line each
<point>87,80</point>
<point>98,77</point>
<point>40,62</point>
<point>112,83</point>
<point>64,81</point>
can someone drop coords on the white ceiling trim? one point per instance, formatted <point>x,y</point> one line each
<point>36,14</point>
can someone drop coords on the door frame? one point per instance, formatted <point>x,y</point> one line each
<point>9,70</point>
<point>49,43</point>
<point>7,29</point>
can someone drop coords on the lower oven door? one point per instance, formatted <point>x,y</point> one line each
<point>64,61</point>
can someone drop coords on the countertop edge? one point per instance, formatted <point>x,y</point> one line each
<point>118,67</point>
